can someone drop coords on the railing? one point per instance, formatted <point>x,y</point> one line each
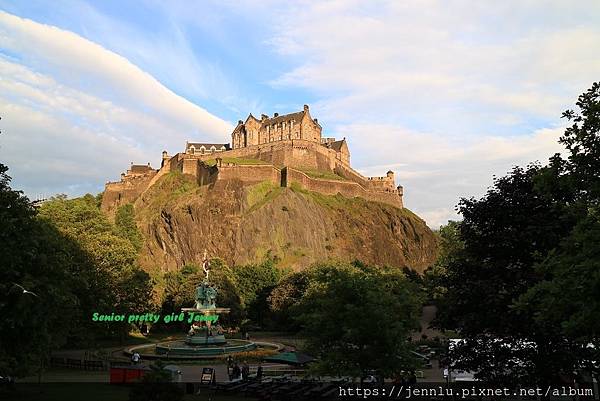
<point>84,364</point>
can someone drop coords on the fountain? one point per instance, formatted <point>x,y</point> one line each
<point>205,337</point>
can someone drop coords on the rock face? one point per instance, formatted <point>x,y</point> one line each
<point>243,224</point>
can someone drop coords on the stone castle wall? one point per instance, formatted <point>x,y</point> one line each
<point>250,174</point>
<point>349,189</point>
<point>295,153</point>
<point>282,159</point>
<point>125,191</point>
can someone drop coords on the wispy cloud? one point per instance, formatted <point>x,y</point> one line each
<point>76,112</point>
<point>437,171</point>
<point>447,92</point>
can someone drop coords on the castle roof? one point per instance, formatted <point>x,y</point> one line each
<point>297,117</point>
<point>336,145</point>
<point>198,145</point>
<point>239,126</point>
<point>251,116</point>
<point>140,168</point>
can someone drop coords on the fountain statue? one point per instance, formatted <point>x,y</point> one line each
<point>205,336</point>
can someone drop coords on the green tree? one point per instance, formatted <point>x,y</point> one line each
<point>120,286</point>
<point>504,235</point>
<point>357,319</point>
<point>255,283</point>
<point>284,299</point>
<point>35,256</point>
<point>521,287</point>
<point>582,140</point>
<point>567,298</point>
<point>126,226</point>
<point>450,245</point>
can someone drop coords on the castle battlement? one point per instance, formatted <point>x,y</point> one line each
<point>282,149</point>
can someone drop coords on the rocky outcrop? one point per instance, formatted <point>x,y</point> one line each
<point>243,224</point>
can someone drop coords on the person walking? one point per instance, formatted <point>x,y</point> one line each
<point>230,367</point>
<point>245,372</point>
<point>259,372</point>
<point>236,372</point>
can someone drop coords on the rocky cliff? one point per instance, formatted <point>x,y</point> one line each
<point>243,224</point>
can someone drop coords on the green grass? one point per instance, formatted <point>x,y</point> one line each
<point>322,174</point>
<point>136,338</point>
<point>260,194</point>
<point>168,189</point>
<point>235,160</point>
<point>331,201</point>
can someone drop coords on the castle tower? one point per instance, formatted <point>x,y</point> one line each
<point>298,125</point>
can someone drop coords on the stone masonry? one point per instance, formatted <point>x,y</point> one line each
<point>283,149</point>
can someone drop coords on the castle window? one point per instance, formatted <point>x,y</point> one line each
<point>212,149</point>
<point>192,150</point>
<point>202,150</point>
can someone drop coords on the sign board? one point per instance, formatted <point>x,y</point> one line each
<point>208,375</point>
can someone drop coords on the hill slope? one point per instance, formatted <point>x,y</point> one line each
<point>242,224</point>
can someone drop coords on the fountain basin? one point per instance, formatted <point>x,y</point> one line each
<point>182,348</point>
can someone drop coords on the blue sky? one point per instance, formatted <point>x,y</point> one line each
<point>446,93</point>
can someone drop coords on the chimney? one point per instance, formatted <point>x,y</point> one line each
<point>240,122</point>
<point>305,107</point>
<point>276,115</point>
<point>263,117</point>
<point>316,121</point>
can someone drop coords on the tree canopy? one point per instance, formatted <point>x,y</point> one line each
<point>521,289</point>
<point>75,262</point>
<point>358,318</point>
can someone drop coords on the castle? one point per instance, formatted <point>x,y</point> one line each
<point>284,149</point>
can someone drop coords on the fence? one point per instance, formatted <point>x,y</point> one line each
<point>85,364</point>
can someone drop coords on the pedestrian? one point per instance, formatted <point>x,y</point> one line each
<point>135,358</point>
<point>245,372</point>
<point>236,372</point>
<point>259,372</point>
<point>230,367</point>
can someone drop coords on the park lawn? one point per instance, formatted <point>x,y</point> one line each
<point>136,338</point>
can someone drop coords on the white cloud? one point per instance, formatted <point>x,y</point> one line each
<point>418,57</point>
<point>437,171</point>
<point>447,92</point>
<point>75,112</point>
